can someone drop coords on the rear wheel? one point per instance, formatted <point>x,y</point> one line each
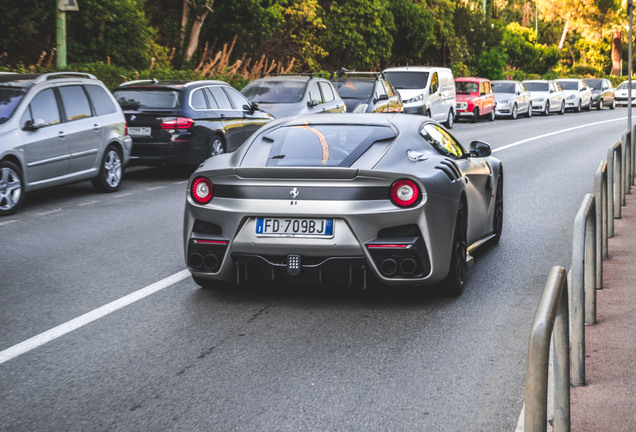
<point>491,117</point>
<point>217,146</point>
<point>562,110</point>
<point>529,112</point>
<point>450,121</point>
<point>600,104</point>
<point>110,172</point>
<point>514,112</point>
<point>578,107</point>
<point>11,188</point>
<point>546,111</point>
<point>497,219</point>
<point>475,115</point>
<point>613,104</point>
<point>456,279</point>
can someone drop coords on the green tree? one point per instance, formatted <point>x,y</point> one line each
<point>28,29</point>
<point>413,31</point>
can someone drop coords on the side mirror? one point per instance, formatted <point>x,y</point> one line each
<point>479,149</point>
<point>312,103</point>
<point>33,125</point>
<point>253,106</point>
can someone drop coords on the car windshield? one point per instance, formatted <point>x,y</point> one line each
<point>9,100</point>
<point>503,87</point>
<point>147,98</point>
<point>536,86</point>
<point>625,85</point>
<point>350,89</point>
<point>569,85</point>
<point>465,87</point>
<point>280,91</point>
<point>407,80</point>
<point>596,84</point>
<point>322,145</point>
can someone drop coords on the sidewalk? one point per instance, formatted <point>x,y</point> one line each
<point>608,400</point>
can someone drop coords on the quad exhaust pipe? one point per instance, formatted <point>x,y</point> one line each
<point>199,261</point>
<point>407,266</point>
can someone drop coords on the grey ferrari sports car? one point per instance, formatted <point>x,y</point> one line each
<point>344,199</point>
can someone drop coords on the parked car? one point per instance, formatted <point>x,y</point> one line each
<point>603,93</point>
<point>511,98</point>
<point>283,95</point>
<point>578,95</point>
<point>546,95</point>
<point>367,92</point>
<point>185,122</point>
<point>425,90</point>
<point>622,93</point>
<point>58,128</point>
<point>475,98</point>
<point>343,199</point>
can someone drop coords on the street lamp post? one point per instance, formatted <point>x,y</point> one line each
<point>630,9</point>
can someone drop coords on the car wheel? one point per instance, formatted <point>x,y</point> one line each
<point>217,146</point>
<point>529,112</point>
<point>562,110</point>
<point>11,195</point>
<point>600,104</point>
<point>456,279</point>
<point>110,171</point>
<point>514,112</point>
<point>497,220</point>
<point>492,115</point>
<point>546,110</point>
<point>578,107</point>
<point>450,120</point>
<point>589,106</point>
<point>475,115</point>
<point>613,104</point>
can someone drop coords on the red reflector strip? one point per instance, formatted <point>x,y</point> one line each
<point>389,246</point>
<point>222,242</point>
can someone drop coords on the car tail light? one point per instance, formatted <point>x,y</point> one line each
<point>177,123</point>
<point>202,190</point>
<point>404,193</point>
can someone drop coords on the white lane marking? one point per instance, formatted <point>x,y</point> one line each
<point>89,317</point>
<point>516,143</point>
<point>55,210</point>
<point>7,222</point>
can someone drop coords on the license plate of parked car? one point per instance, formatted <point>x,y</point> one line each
<point>294,227</point>
<point>139,131</point>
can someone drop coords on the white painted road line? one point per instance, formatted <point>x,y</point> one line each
<point>89,317</point>
<point>516,143</point>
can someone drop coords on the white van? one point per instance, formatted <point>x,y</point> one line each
<point>425,90</point>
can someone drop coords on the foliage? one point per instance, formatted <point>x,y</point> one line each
<point>413,31</point>
<point>491,64</point>
<point>523,51</point>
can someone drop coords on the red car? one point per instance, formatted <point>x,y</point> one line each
<point>474,98</point>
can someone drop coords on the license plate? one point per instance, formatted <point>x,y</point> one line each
<point>294,227</point>
<point>139,131</point>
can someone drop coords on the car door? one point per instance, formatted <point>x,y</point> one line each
<point>332,103</point>
<point>230,118</point>
<point>43,139</point>
<point>380,101</point>
<point>84,130</point>
<point>252,118</point>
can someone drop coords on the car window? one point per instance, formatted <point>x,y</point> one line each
<point>407,80</point>
<point>537,86</point>
<point>314,93</point>
<point>322,145</point>
<point>434,83</point>
<point>327,92</point>
<point>102,103</point>
<point>389,88</point>
<point>198,100</point>
<point>466,87</point>
<point>9,100</point>
<point>379,89</point>
<point>220,97</point>
<point>75,102</point>
<point>569,85</point>
<point>43,107</point>
<point>146,98</point>
<point>238,100</point>
<point>354,89</point>
<point>441,140</point>
<point>274,91</point>
<point>503,87</point>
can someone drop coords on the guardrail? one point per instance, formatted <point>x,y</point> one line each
<point>563,317</point>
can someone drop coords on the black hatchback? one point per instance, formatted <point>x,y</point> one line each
<point>185,122</point>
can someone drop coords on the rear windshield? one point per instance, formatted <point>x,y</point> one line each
<point>569,85</point>
<point>503,87</point>
<point>274,91</point>
<point>322,145</point>
<point>407,80</point>
<point>354,89</point>
<point>466,87</point>
<point>536,86</point>
<point>9,100</point>
<point>147,98</point>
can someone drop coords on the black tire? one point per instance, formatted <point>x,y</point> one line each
<point>546,111</point>
<point>110,171</point>
<point>515,113</point>
<point>217,146</point>
<point>589,106</point>
<point>11,188</point>
<point>497,219</point>
<point>475,115</point>
<point>562,110</point>
<point>456,279</point>
<point>529,112</point>
<point>450,121</point>
<point>578,107</point>
<point>600,104</point>
<point>492,115</point>
<point>613,104</point>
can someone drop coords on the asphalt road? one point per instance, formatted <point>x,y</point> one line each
<point>178,358</point>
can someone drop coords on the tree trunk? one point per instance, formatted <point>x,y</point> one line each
<point>184,23</point>
<point>617,50</point>
<point>194,34</point>
<point>565,33</point>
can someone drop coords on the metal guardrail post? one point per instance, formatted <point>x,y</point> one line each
<point>633,161</point>
<point>626,165</point>
<point>600,186</point>
<point>583,284</point>
<point>614,174</point>
<point>551,319</point>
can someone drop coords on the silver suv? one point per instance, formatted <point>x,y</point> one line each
<point>58,128</point>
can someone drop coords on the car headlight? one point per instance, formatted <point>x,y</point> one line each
<point>505,102</point>
<point>461,105</point>
<point>571,97</point>
<point>361,108</point>
<point>415,99</point>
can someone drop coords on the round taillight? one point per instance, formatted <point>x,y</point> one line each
<point>202,190</point>
<point>404,193</point>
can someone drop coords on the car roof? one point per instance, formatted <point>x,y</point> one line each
<point>169,84</point>
<point>414,68</point>
<point>285,77</point>
<point>505,81</point>
<point>471,79</point>
<point>27,80</point>
<point>536,81</point>
<point>568,79</point>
